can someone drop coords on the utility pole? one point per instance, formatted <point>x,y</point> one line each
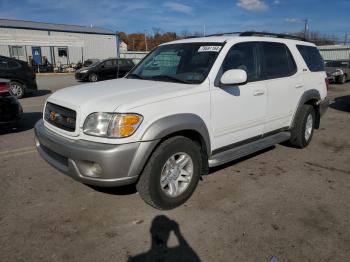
<point>346,39</point>
<point>146,40</point>
<point>306,27</point>
<point>204,30</point>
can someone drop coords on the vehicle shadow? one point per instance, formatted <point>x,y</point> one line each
<point>118,191</point>
<point>341,103</point>
<point>234,162</point>
<point>160,231</point>
<point>41,92</point>
<point>27,122</point>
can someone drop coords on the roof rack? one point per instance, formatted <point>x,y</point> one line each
<point>253,33</point>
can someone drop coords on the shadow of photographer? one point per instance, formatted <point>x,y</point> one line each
<point>160,231</point>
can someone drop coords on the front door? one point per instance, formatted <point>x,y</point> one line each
<point>36,52</point>
<point>238,112</point>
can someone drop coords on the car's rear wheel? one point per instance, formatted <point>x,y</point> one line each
<point>17,89</point>
<point>93,77</point>
<point>304,125</point>
<point>171,174</point>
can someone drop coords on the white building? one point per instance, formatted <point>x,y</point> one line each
<point>64,44</point>
<point>335,52</point>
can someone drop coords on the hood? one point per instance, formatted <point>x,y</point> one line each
<point>107,96</point>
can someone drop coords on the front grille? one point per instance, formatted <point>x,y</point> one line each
<point>60,116</point>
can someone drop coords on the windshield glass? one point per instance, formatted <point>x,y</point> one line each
<point>187,63</point>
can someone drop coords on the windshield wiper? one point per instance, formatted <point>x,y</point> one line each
<point>171,78</point>
<point>135,76</point>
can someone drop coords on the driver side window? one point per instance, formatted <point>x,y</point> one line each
<point>243,56</point>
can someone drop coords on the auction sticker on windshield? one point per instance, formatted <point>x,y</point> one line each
<point>215,48</point>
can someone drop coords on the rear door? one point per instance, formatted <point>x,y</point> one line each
<point>239,111</point>
<point>284,86</point>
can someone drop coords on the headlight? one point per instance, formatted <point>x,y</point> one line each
<point>83,71</point>
<point>112,125</point>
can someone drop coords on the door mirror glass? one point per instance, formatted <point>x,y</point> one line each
<point>234,77</point>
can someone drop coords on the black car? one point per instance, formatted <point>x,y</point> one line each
<point>106,69</point>
<point>10,109</point>
<point>21,75</point>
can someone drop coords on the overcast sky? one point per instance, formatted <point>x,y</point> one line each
<point>325,16</point>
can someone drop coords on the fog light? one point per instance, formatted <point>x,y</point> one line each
<point>96,169</point>
<point>90,169</point>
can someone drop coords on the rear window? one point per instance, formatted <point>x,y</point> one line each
<point>278,60</point>
<point>311,57</point>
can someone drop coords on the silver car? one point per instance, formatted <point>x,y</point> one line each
<point>338,71</point>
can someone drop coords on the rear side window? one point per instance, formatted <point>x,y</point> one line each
<point>13,65</point>
<point>278,60</point>
<point>312,58</point>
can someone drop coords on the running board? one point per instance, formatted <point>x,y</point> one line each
<point>247,149</point>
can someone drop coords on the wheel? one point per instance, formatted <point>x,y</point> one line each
<point>171,174</point>
<point>342,79</point>
<point>17,89</point>
<point>303,129</point>
<point>93,77</point>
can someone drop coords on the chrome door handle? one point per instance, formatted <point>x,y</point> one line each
<point>299,86</point>
<point>259,92</point>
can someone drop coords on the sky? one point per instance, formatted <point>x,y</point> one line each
<point>325,16</point>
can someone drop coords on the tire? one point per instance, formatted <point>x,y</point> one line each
<point>303,129</point>
<point>93,77</point>
<point>161,194</point>
<point>342,79</point>
<point>17,89</point>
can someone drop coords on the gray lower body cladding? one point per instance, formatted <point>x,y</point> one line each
<point>93,163</point>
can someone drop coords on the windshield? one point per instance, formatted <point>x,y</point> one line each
<point>337,64</point>
<point>188,63</point>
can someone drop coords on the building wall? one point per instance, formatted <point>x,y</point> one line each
<point>136,56</point>
<point>93,45</point>
<point>335,52</point>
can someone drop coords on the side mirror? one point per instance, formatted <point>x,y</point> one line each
<point>234,77</point>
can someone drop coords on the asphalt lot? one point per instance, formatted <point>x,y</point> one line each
<point>283,202</point>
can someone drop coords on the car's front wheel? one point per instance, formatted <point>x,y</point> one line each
<point>342,79</point>
<point>93,77</point>
<point>17,89</point>
<point>171,174</point>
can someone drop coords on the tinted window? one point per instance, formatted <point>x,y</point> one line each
<point>343,64</point>
<point>311,57</point>
<point>243,56</point>
<point>13,65</point>
<point>3,63</point>
<point>108,63</point>
<point>278,60</point>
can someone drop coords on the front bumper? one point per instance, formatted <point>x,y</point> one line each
<point>117,165</point>
<point>10,110</point>
<point>81,76</point>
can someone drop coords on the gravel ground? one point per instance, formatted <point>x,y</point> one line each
<point>283,202</point>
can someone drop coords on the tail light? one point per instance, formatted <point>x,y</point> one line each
<point>4,88</point>
<point>327,82</point>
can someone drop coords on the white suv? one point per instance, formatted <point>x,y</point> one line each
<point>187,106</point>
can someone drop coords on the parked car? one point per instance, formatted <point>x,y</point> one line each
<point>22,77</point>
<point>338,71</point>
<point>189,105</point>
<point>10,109</point>
<point>106,69</point>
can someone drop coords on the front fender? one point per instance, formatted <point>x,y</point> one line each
<point>176,123</point>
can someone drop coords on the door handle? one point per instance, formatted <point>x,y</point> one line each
<point>299,86</point>
<point>259,92</point>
